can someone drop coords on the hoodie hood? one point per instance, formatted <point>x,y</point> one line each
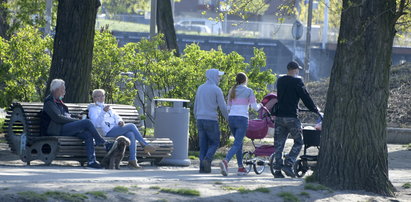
<point>212,76</point>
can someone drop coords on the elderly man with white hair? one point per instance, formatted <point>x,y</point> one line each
<point>113,125</point>
<point>57,121</point>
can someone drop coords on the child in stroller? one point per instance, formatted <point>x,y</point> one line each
<point>258,129</point>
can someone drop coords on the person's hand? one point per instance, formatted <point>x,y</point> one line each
<point>121,123</point>
<point>106,108</point>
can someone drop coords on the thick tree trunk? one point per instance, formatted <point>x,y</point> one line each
<point>165,25</point>
<point>4,26</point>
<point>353,152</point>
<point>73,47</point>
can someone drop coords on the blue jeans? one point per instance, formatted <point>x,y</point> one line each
<point>86,131</point>
<point>238,126</point>
<point>283,126</point>
<point>209,136</point>
<point>131,132</point>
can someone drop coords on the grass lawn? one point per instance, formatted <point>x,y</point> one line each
<point>122,26</point>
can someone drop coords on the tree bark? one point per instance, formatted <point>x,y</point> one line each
<point>4,26</point>
<point>165,25</point>
<point>353,152</point>
<point>73,47</point>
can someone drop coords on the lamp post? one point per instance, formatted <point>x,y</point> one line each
<point>153,16</point>
<point>49,6</point>
<point>308,42</point>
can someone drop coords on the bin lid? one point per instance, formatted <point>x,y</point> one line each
<point>176,102</point>
<point>170,100</point>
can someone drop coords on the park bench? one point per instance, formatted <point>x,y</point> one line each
<point>22,128</point>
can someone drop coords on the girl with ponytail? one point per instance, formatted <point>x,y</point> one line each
<point>240,97</point>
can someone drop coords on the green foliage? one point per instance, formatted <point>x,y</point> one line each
<point>26,63</point>
<point>186,192</point>
<point>310,178</point>
<point>288,197</point>
<point>317,187</point>
<point>305,194</point>
<point>122,25</point>
<point>406,185</point>
<point>22,13</point>
<point>155,187</point>
<point>121,189</point>
<point>244,190</point>
<point>64,196</point>
<point>107,68</point>
<point>153,72</point>
<point>31,196</point>
<point>1,124</point>
<point>334,13</point>
<point>125,6</point>
<point>241,8</point>
<point>98,194</point>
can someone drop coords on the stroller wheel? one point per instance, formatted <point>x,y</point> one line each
<point>271,163</point>
<point>259,166</point>
<point>248,160</point>
<point>300,168</point>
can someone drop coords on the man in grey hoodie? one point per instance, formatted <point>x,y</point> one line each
<point>209,97</point>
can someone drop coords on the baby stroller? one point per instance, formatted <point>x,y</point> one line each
<point>258,129</point>
<point>311,138</point>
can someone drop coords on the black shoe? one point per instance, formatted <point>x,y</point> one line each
<point>288,170</point>
<point>278,174</point>
<point>201,167</point>
<point>207,166</point>
<point>94,165</point>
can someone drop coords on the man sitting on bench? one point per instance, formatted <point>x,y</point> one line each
<point>57,121</point>
<point>113,125</point>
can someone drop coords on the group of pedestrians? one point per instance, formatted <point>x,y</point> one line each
<point>209,98</point>
<point>57,121</point>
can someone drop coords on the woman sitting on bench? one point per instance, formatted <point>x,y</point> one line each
<point>113,125</point>
<point>57,121</point>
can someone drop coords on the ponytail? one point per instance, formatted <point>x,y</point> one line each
<point>240,79</point>
<point>232,92</point>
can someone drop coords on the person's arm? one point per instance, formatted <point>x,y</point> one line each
<point>229,101</point>
<point>221,104</point>
<point>54,113</point>
<point>305,96</point>
<point>195,105</point>
<point>119,120</point>
<point>253,101</point>
<point>96,116</point>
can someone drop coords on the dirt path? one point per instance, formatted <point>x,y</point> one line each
<point>150,183</point>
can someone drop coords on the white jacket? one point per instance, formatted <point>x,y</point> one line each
<point>101,119</point>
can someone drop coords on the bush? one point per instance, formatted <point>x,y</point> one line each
<point>26,61</point>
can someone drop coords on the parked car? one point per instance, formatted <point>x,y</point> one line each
<point>193,28</point>
<point>212,27</point>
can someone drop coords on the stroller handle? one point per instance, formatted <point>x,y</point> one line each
<point>318,113</point>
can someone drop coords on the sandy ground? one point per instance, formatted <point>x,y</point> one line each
<point>67,176</point>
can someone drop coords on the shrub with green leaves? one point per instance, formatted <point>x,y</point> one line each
<point>26,63</point>
<point>151,72</point>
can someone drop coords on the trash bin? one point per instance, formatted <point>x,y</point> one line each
<point>172,122</point>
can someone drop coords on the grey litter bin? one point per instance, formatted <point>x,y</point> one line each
<point>172,122</point>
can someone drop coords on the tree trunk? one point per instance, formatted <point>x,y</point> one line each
<point>73,47</point>
<point>353,152</point>
<point>4,26</point>
<point>165,25</point>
